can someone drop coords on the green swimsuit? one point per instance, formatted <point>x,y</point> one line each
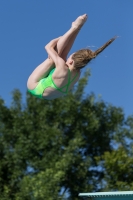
<point>48,82</point>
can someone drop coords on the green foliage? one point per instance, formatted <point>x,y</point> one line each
<point>118,169</point>
<point>56,149</point>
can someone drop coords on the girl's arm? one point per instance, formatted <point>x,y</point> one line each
<point>59,62</point>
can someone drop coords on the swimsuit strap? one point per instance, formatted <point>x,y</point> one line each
<point>73,77</point>
<point>69,80</point>
<point>67,85</point>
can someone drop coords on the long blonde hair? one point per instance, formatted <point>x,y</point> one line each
<point>84,56</point>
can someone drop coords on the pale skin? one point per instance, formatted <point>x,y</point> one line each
<point>58,50</point>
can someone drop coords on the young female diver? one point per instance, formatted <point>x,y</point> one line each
<point>57,74</point>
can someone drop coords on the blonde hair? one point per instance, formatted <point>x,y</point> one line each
<point>84,56</point>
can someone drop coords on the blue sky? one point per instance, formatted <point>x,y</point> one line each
<point>26,26</point>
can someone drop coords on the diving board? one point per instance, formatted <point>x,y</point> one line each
<point>122,195</point>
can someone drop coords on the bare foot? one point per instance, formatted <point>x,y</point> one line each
<point>79,22</point>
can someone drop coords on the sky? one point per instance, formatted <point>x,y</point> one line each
<point>26,26</point>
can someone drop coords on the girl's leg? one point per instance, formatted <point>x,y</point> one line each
<point>68,47</point>
<point>63,47</point>
<point>66,41</point>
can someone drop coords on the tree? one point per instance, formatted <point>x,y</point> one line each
<point>117,165</point>
<point>53,149</point>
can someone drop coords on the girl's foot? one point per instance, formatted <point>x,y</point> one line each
<point>79,22</point>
